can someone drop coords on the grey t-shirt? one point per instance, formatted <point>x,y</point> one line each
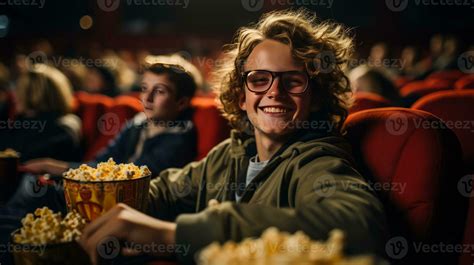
<point>254,168</point>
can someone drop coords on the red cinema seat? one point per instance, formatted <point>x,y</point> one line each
<point>90,108</point>
<point>211,127</point>
<point>466,82</point>
<point>448,75</point>
<point>414,168</point>
<point>109,125</point>
<point>456,109</point>
<point>102,118</point>
<point>367,100</point>
<point>421,88</point>
<point>467,258</point>
<point>401,81</point>
<point>11,105</point>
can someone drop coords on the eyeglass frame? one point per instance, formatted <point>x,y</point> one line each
<point>274,75</point>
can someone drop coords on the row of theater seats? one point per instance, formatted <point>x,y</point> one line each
<point>438,81</point>
<point>412,146</point>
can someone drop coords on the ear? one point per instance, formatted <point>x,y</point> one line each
<point>183,103</point>
<point>242,102</point>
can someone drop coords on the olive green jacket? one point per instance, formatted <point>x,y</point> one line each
<point>310,184</point>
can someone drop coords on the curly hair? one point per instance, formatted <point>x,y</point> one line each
<point>323,47</point>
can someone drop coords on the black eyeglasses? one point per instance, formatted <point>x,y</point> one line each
<point>260,81</point>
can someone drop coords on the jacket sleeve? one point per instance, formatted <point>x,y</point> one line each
<point>175,190</point>
<point>328,194</point>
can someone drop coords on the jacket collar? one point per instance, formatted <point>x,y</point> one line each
<point>244,145</point>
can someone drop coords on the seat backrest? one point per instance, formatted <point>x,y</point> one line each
<point>89,108</point>
<point>416,167</point>
<point>456,109</point>
<point>424,87</point>
<point>111,122</point>
<point>448,75</point>
<point>211,127</point>
<point>366,100</point>
<point>467,257</point>
<point>466,82</point>
<point>102,118</point>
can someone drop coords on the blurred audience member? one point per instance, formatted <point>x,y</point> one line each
<point>379,58</point>
<point>44,125</point>
<point>125,77</point>
<point>447,60</point>
<point>368,79</point>
<point>76,73</point>
<point>101,80</point>
<point>411,65</point>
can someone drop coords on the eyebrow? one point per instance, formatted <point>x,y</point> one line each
<point>158,84</point>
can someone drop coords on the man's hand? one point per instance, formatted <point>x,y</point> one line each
<point>45,165</point>
<point>125,223</point>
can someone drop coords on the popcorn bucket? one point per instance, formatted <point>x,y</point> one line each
<point>68,253</point>
<point>93,198</point>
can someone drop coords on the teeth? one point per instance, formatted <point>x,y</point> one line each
<point>274,110</point>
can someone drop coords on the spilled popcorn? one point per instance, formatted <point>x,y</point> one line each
<point>46,227</point>
<point>107,171</point>
<point>9,153</point>
<point>275,247</point>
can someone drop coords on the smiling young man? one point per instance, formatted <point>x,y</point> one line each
<point>272,171</point>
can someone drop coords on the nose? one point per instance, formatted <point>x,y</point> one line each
<point>276,89</point>
<point>149,95</point>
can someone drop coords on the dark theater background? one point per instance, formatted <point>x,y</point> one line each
<point>410,123</point>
